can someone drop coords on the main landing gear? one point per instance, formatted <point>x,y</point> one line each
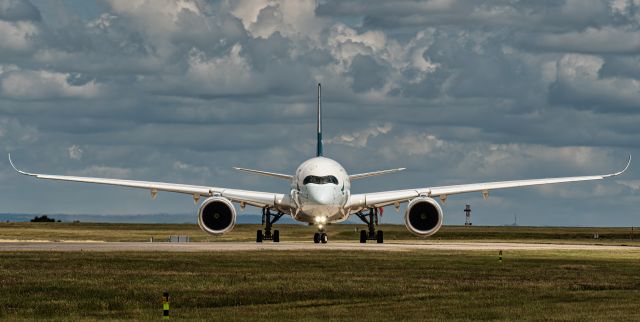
<point>268,219</point>
<point>320,237</point>
<point>371,219</point>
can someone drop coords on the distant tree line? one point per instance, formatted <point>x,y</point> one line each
<point>44,218</point>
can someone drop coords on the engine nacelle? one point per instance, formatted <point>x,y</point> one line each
<point>216,215</point>
<point>423,216</point>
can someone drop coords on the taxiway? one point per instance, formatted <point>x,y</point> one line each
<point>289,246</point>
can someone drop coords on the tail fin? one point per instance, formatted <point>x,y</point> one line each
<point>319,146</point>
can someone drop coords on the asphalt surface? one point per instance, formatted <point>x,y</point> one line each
<point>269,246</point>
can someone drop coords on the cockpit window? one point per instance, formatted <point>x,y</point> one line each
<point>320,180</point>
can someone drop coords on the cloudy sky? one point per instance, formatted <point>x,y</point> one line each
<point>456,91</point>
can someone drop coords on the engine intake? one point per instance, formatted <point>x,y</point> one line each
<point>216,215</point>
<point>423,216</point>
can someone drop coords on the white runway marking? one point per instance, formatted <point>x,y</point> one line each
<point>249,246</point>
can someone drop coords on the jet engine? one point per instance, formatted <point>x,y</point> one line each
<point>423,216</point>
<point>216,215</point>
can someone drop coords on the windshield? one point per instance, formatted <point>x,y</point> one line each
<point>320,180</point>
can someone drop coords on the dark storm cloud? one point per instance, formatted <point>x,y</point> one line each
<point>624,66</point>
<point>605,40</point>
<point>457,91</point>
<point>533,15</point>
<point>367,74</point>
<point>16,10</point>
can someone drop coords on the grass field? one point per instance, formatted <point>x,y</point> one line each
<point>322,286</point>
<point>161,232</point>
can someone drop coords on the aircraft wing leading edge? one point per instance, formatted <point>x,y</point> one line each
<point>254,198</point>
<point>376,199</point>
<point>380,199</point>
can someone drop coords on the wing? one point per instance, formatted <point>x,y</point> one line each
<point>374,173</point>
<point>254,198</point>
<point>380,199</point>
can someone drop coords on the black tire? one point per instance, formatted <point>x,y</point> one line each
<point>316,238</point>
<point>324,238</point>
<point>380,237</point>
<point>259,236</point>
<point>363,237</point>
<point>276,236</point>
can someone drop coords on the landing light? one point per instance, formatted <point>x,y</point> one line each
<point>321,220</point>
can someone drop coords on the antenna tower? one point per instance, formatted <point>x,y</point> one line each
<point>467,213</point>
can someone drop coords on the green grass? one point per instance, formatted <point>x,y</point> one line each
<point>322,285</point>
<point>161,232</point>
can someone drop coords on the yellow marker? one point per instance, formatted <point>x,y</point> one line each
<point>500,256</point>
<point>165,305</point>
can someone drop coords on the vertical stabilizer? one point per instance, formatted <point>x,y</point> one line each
<point>319,146</point>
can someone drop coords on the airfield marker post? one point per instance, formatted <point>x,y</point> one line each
<point>500,256</point>
<point>165,305</point>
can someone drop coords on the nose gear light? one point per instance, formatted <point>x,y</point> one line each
<point>321,220</point>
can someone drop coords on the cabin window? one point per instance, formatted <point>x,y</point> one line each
<point>320,180</point>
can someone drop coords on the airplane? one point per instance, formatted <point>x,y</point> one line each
<point>320,195</point>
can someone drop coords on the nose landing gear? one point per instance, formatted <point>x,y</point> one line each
<point>320,237</point>
<point>268,219</point>
<point>371,219</point>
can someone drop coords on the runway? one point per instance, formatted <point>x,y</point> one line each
<point>289,246</point>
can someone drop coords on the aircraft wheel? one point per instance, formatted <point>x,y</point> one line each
<point>316,238</point>
<point>259,236</point>
<point>363,237</point>
<point>276,236</point>
<point>380,237</point>
<point>324,238</point>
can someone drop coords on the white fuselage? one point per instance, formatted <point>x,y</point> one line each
<point>320,188</point>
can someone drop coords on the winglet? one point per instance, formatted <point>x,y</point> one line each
<point>14,168</point>
<point>623,170</point>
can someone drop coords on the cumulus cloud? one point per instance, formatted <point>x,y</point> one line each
<point>418,144</point>
<point>75,152</point>
<point>360,138</point>
<point>579,83</point>
<point>476,90</point>
<point>17,36</point>
<point>41,84</point>
<point>291,18</point>
<point>227,74</point>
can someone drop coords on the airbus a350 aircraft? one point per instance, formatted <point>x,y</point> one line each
<point>320,195</point>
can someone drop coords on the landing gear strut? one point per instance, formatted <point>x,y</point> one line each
<point>371,219</point>
<point>268,219</point>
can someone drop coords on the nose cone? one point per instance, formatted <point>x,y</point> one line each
<point>321,195</point>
